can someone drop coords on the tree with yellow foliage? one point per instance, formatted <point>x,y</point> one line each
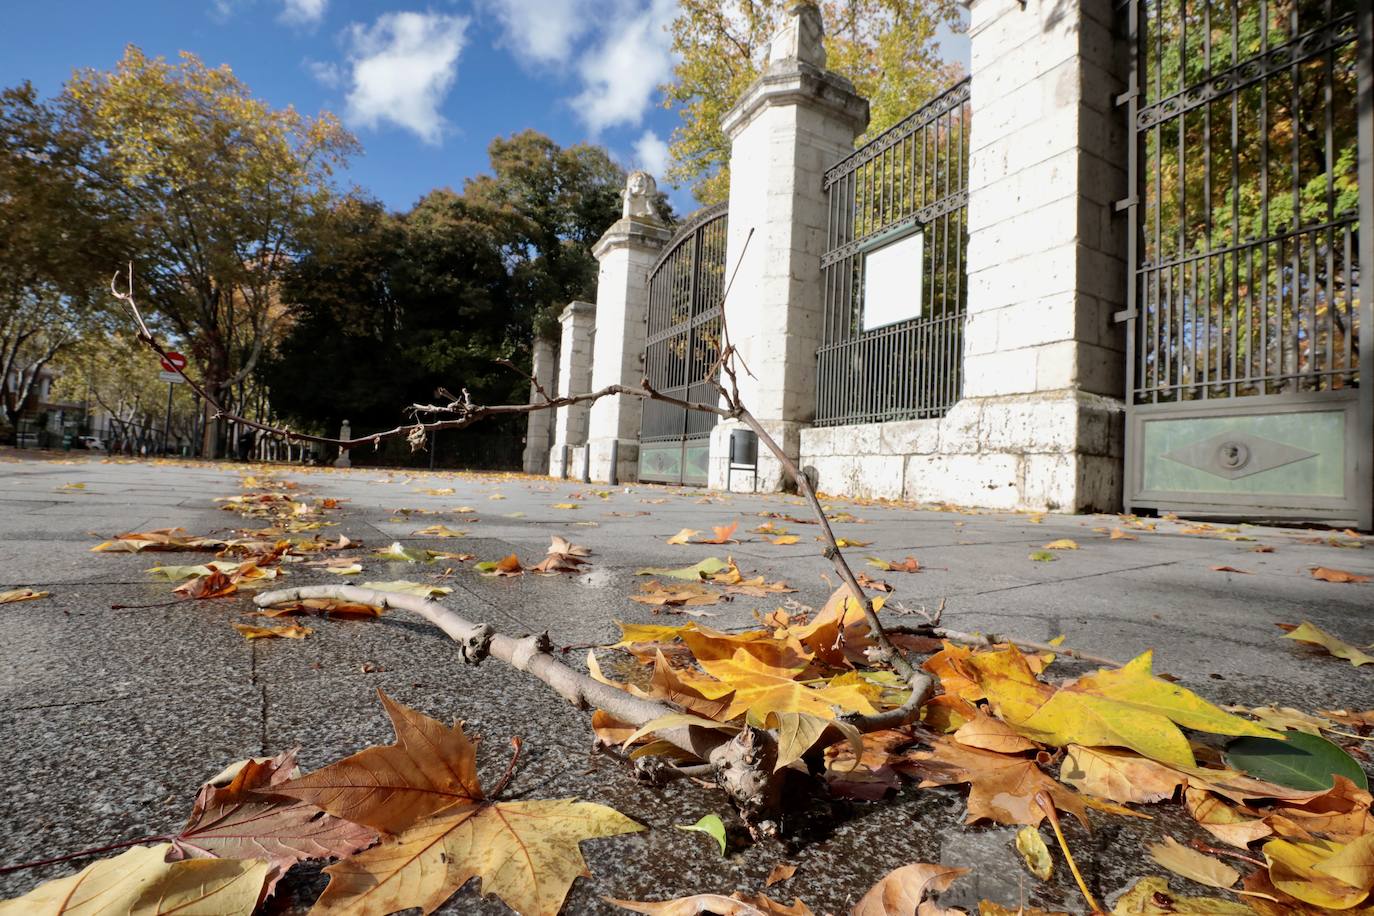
<point>889,49</point>
<point>217,185</point>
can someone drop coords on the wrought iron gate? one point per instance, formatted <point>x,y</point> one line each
<point>1248,315</point>
<point>685,289</point>
<point>898,212</point>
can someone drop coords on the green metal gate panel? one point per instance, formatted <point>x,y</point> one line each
<point>1249,317</point>
<point>682,345</point>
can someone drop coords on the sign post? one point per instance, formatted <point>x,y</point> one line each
<point>171,364</point>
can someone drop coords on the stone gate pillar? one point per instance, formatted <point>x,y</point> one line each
<point>1043,357</point>
<point>626,253</point>
<point>539,427</point>
<point>574,377</point>
<point>795,121</point>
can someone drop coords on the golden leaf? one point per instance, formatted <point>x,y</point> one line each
<point>291,631</point>
<point>1193,865</point>
<point>142,881</point>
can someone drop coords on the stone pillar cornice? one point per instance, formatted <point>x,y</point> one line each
<point>632,232</point>
<point>795,82</point>
<point>575,309</point>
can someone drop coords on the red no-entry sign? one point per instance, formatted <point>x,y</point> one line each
<point>173,361</point>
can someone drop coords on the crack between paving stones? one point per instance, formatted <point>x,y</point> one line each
<point>73,703</point>
<point>262,721</point>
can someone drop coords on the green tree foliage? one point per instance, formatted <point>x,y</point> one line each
<point>217,185</point>
<point>58,242</point>
<point>887,48</point>
<point>1248,204</point>
<point>390,307</point>
<point>113,372</point>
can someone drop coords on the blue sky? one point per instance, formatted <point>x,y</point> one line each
<point>424,86</point>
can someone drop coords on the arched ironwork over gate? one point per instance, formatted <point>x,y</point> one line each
<point>682,343</point>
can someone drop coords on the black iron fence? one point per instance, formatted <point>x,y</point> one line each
<point>1245,232</point>
<point>683,343</point>
<point>895,270</point>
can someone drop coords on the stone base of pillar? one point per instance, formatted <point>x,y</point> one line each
<point>1057,451</point>
<point>770,477</point>
<point>627,459</point>
<point>536,461</point>
<point>559,464</point>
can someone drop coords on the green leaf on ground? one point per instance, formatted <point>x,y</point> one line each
<point>1302,762</point>
<point>1043,556</point>
<point>703,570</point>
<point>711,825</point>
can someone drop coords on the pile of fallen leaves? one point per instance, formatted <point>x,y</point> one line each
<point>1289,807</point>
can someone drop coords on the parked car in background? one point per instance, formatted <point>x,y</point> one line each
<point>93,443</point>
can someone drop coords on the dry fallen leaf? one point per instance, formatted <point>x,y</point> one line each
<point>1230,569</point>
<point>424,791</point>
<point>1306,633</point>
<point>237,815</point>
<point>1117,775</point>
<point>1193,865</point>
<point>1062,544</point>
<point>1327,574</point>
<point>780,872</point>
<point>142,881</point>
<point>903,891</point>
<point>684,536</point>
<point>1002,787</point>
<point>21,594</point>
<point>724,534</point>
<point>290,631</point>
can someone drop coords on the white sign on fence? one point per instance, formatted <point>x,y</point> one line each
<point>892,281</point>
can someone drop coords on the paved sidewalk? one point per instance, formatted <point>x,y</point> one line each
<point>113,718</point>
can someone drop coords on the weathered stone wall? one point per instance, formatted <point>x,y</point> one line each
<point>1014,452</point>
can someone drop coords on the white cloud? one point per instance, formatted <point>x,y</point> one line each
<point>621,72</point>
<point>402,68</point>
<point>651,154</point>
<point>326,73</point>
<point>542,32</point>
<point>303,12</point>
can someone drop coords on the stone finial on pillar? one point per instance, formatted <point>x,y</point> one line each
<point>801,37</point>
<point>345,433</point>
<point>574,377</point>
<point>793,123</point>
<point>626,253</point>
<point>539,426</point>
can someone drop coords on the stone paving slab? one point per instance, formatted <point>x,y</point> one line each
<point>116,716</point>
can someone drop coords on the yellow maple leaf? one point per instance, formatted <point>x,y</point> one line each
<point>1128,707</point>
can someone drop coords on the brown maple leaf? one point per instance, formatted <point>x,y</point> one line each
<point>424,789</point>
<point>237,815</point>
<point>1002,786</point>
<point>563,557</point>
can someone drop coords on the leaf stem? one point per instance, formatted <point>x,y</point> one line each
<point>85,853</point>
<point>1047,805</point>
<point>510,769</point>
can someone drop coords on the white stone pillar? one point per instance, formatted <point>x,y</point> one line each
<point>794,122</point>
<point>626,254</point>
<point>1043,357</point>
<point>574,377</point>
<point>539,427</point>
